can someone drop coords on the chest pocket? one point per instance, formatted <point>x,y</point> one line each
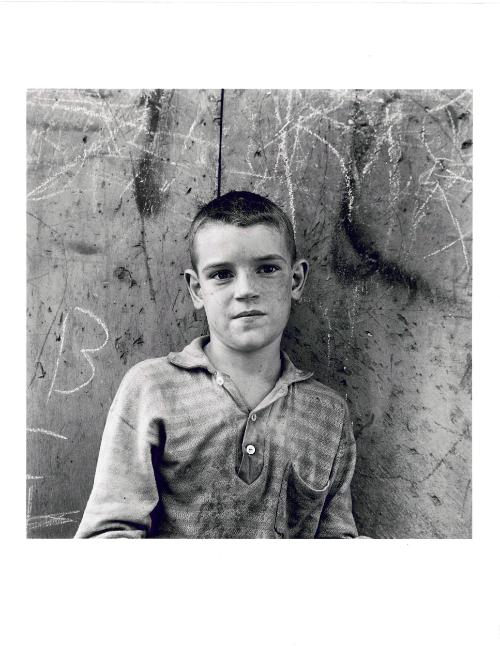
<point>299,506</point>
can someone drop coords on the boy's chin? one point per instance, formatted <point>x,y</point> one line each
<point>250,343</point>
<point>249,347</point>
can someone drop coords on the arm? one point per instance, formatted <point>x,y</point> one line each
<point>336,519</point>
<point>125,491</point>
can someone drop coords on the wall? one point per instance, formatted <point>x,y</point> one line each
<point>378,184</point>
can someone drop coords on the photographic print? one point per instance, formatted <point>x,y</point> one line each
<point>369,399</point>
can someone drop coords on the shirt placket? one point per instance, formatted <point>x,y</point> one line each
<point>253,445</point>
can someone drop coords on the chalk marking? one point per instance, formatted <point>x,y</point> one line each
<point>296,145</point>
<point>249,174</point>
<point>386,136</point>
<point>458,177</point>
<point>352,312</point>
<point>61,239</point>
<point>117,124</point>
<point>439,160</point>
<point>278,134</point>
<point>424,140</point>
<point>75,106</point>
<point>32,279</point>
<point>394,151</point>
<point>186,166</point>
<point>94,148</point>
<point>29,506</point>
<point>83,158</point>
<point>282,152</point>
<point>30,477</point>
<point>457,225</point>
<point>41,135</point>
<point>52,178</point>
<point>284,156</point>
<point>201,157</point>
<point>375,154</point>
<point>263,179</point>
<point>44,431</point>
<point>417,216</point>
<point>127,187</point>
<point>276,109</point>
<point>47,103</point>
<point>326,314</point>
<point>85,351</point>
<point>250,144</point>
<point>107,122</point>
<point>142,122</point>
<point>454,130</point>
<point>315,112</point>
<point>47,196</point>
<point>146,151</point>
<point>467,489</point>
<point>63,334</point>
<point>424,179</point>
<point>322,114</point>
<point>49,520</point>
<point>445,105</point>
<point>169,182</point>
<point>340,160</point>
<point>189,133</point>
<point>74,109</point>
<point>451,244</point>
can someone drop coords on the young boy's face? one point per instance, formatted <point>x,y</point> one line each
<point>245,282</point>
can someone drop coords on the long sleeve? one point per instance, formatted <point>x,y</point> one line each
<point>125,491</point>
<point>336,519</point>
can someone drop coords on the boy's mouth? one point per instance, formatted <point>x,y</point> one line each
<point>248,313</point>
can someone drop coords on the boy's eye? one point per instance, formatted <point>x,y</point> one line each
<point>268,269</point>
<point>221,274</point>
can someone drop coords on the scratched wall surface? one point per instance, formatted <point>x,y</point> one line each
<point>378,184</point>
<point>113,179</point>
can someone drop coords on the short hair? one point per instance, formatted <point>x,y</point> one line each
<point>243,209</point>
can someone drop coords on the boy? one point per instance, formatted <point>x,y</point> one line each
<point>228,439</point>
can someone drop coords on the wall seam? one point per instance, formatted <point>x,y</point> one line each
<point>219,169</point>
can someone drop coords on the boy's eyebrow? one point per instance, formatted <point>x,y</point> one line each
<point>225,263</point>
<point>271,257</point>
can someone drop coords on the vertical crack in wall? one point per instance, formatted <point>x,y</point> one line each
<point>219,166</point>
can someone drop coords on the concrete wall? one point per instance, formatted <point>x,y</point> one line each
<point>378,184</point>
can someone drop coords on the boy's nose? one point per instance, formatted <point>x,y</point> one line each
<point>245,287</point>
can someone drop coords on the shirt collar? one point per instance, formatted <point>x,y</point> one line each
<point>193,356</point>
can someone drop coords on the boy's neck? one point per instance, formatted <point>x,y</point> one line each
<point>264,363</point>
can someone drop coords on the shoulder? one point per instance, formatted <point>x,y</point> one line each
<point>321,396</point>
<point>148,369</point>
<point>147,375</point>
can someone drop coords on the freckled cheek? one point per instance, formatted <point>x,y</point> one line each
<point>215,304</point>
<point>278,299</point>
<point>279,290</point>
<point>213,296</point>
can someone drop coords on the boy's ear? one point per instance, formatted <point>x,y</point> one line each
<point>194,287</point>
<point>300,271</point>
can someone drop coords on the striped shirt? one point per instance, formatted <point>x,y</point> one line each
<point>183,456</point>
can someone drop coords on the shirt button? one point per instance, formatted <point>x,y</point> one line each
<point>253,417</point>
<point>250,449</point>
<point>219,380</point>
